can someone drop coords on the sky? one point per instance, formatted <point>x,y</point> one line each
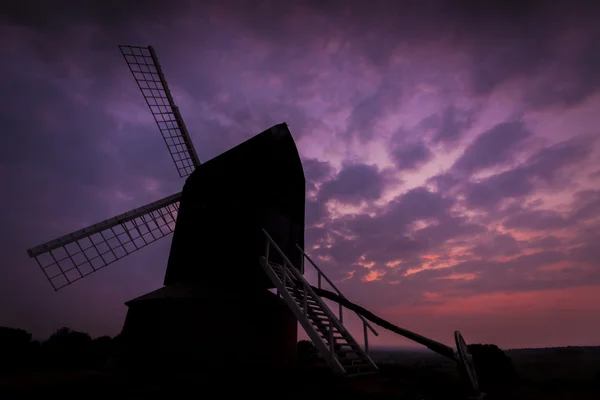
<point>451,151</point>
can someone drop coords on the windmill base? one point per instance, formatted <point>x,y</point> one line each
<point>192,327</point>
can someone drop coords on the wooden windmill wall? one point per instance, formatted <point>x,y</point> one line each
<point>227,202</point>
<point>215,303</point>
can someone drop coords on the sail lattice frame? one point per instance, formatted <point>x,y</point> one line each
<point>148,74</point>
<point>74,256</point>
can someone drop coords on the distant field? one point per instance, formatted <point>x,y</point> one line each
<point>573,364</point>
<point>549,374</point>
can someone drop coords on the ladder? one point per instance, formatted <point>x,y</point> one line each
<point>333,341</point>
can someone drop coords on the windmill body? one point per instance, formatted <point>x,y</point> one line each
<point>225,204</point>
<point>215,289</point>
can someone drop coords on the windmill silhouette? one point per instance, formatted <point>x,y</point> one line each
<point>238,229</point>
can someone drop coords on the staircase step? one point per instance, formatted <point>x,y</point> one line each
<point>324,329</point>
<point>310,306</point>
<point>336,334</point>
<point>325,333</point>
<point>312,309</point>
<point>357,367</point>
<point>340,345</point>
<point>348,363</point>
<point>324,323</point>
<point>364,370</point>
<point>341,355</point>
<point>317,320</point>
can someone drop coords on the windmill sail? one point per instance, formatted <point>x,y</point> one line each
<point>78,254</point>
<point>146,70</point>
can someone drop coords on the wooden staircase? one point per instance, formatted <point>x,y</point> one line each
<point>333,341</point>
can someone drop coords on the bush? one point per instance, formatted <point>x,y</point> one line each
<point>68,348</point>
<point>16,348</point>
<point>492,365</point>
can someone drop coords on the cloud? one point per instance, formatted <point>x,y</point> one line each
<point>316,172</point>
<point>497,245</point>
<point>540,220</point>
<point>586,206</point>
<point>491,191</point>
<point>414,223</point>
<point>364,115</point>
<point>353,184</point>
<point>495,147</point>
<point>410,156</point>
<point>449,125</point>
<point>549,168</point>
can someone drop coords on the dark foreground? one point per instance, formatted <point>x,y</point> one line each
<point>544,375</point>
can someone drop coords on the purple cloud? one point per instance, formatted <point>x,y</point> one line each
<point>354,183</point>
<point>449,125</point>
<point>410,156</point>
<point>492,148</point>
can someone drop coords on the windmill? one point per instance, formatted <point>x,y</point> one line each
<point>238,229</point>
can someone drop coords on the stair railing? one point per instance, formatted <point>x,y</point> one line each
<point>291,274</point>
<point>308,290</point>
<point>366,325</point>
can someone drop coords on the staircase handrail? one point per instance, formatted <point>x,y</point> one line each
<point>339,292</point>
<point>330,315</point>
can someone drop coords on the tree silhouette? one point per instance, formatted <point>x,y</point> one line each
<point>16,348</point>
<point>67,347</point>
<point>101,349</point>
<point>493,366</point>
